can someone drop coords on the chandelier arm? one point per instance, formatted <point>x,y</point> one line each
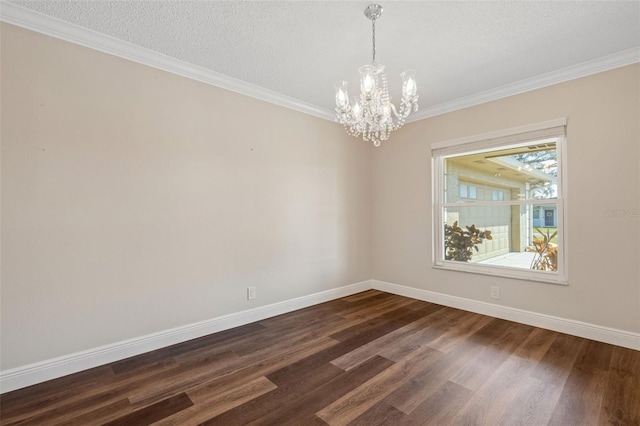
<point>395,112</point>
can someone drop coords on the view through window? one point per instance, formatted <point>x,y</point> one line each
<point>512,219</point>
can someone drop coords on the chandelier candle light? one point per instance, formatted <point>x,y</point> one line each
<point>371,113</point>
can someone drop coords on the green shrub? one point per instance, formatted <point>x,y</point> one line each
<point>460,243</point>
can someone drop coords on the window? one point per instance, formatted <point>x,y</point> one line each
<point>512,222</point>
<point>472,191</point>
<point>467,191</point>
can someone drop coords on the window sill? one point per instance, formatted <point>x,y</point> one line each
<point>504,272</point>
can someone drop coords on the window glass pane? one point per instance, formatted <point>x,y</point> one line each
<point>472,192</point>
<point>463,191</point>
<point>522,173</point>
<point>517,236</point>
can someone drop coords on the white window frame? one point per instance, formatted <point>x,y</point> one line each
<point>523,135</point>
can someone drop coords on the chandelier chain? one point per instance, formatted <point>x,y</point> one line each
<point>373,26</point>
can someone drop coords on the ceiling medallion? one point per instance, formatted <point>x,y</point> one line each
<point>371,114</point>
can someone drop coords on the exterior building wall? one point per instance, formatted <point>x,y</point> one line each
<point>545,216</point>
<point>500,220</point>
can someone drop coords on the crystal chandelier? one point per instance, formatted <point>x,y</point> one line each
<point>371,113</point>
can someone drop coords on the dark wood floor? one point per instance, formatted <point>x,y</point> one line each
<point>368,359</point>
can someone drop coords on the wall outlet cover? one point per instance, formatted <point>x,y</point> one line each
<point>251,293</point>
<point>495,292</point>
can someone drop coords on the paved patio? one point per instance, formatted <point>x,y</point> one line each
<point>514,260</point>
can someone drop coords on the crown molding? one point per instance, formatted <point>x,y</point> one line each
<point>48,25</point>
<point>38,22</point>
<point>605,63</point>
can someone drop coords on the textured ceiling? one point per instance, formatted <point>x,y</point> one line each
<point>300,48</point>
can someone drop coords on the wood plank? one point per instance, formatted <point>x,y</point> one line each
<point>442,407</point>
<point>581,398</point>
<point>380,414</point>
<point>536,345</point>
<point>53,393</point>
<point>86,395</point>
<point>430,379</point>
<point>263,368</point>
<point>385,322</point>
<point>356,402</point>
<point>621,401</point>
<point>305,320</point>
<point>537,394</point>
<point>489,403</point>
<point>461,325</point>
<point>168,383</point>
<point>583,392</point>
<point>333,307</point>
<point>286,333</point>
<point>99,415</point>
<point>155,412</point>
<point>557,362</point>
<point>461,351</point>
<point>403,340</point>
<point>489,359</point>
<point>77,408</point>
<point>301,407</point>
<point>362,295</point>
<point>373,306</point>
<point>372,358</point>
<point>533,403</point>
<point>207,406</point>
<point>199,373</point>
<point>152,358</point>
<point>288,393</point>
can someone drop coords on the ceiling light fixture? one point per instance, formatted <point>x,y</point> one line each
<point>371,113</point>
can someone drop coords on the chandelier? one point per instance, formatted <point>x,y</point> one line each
<point>371,114</point>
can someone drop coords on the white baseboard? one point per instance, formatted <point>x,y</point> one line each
<point>599,333</point>
<point>39,372</point>
<point>31,374</point>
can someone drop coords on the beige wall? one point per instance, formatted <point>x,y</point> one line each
<point>134,200</point>
<point>603,175</point>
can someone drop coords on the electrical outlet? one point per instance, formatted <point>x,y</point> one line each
<point>495,292</point>
<point>251,293</point>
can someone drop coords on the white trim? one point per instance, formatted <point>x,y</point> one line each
<point>31,374</point>
<point>599,333</point>
<point>39,372</point>
<point>35,21</point>
<point>563,215</point>
<point>48,25</point>
<point>584,69</point>
<point>489,142</point>
<point>512,132</point>
<point>502,271</point>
